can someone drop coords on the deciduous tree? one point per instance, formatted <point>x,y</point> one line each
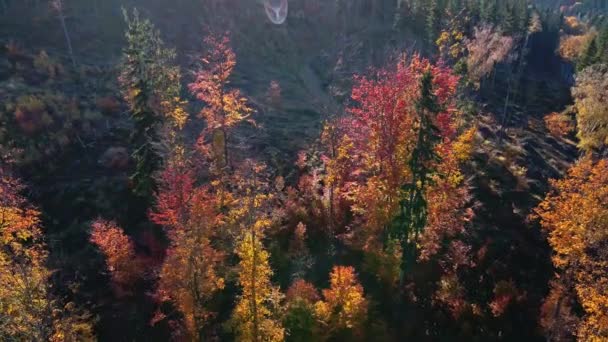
<point>28,309</point>
<point>225,107</point>
<point>575,217</point>
<point>190,275</point>
<point>255,317</point>
<point>487,48</point>
<point>592,107</point>
<point>119,251</point>
<point>344,308</point>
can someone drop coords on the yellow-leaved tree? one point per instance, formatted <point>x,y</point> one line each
<point>28,310</point>
<point>591,104</point>
<point>344,310</point>
<point>256,315</point>
<point>575,215</point>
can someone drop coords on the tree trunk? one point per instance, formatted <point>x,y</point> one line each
<point>58,4</point>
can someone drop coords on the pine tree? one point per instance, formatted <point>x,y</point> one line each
<point>523,15</point>
<point>433,21</point>
<point>489,11</point>
<point>602,44</point>
<point>474,10</point>
<point>509,19</point>
<point>146,76</point>
<point>413,216</point>
<point>454,6</point>
<point>589,57</point>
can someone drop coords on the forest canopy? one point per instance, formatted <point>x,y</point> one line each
<point>303,170</point>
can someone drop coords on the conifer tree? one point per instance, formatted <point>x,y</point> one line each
<point>509,19</point>
<point>489,11</point>
<point>589,56</point>
<point>146,80</point>
<point>602,45</point>
<point>433,21</point>
<point>413,215</point>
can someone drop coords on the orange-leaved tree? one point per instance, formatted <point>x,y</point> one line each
<point>119,250</point>
<point>224,107</point>
<point>190,274</point>
<point>575,216</point>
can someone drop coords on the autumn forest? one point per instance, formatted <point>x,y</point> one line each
<point>303,170</point>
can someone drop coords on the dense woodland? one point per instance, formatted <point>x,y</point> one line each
<point>363,170</point>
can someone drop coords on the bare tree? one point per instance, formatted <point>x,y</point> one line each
<point>58,6</point>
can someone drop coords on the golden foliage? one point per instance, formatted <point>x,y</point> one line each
<point>465,145</point>
<point>255,317</point>
<point>344,305</point>
<point>591,105</point>
<point>571,47</point>
<point>451,44</point>
<point>575,215</point>
<point>573,25</point>
<point>27,310</point>
<point>119,252</point>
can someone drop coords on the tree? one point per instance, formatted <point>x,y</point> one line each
<point>384,156</point>
<point>592,107</point>
<point>190,274</point>
<point>119,251</point>
<point>575,218</point>
<point>589,56</point>
<point>602,43</point>
<point>149,83</point>
<point>487,48</point>
<point>58,6</point>
<point>572,47</point>
<point>489,12</point>
<point>344,308</point>
<point>300,321</point>
<point>433,21</point>
<point>28,309</point>
<point>225,108</point>
<point>413,203</point>
<point>255,316</point>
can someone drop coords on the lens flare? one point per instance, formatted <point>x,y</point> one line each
<point>276,10</point>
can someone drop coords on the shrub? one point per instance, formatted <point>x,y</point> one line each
<point>31,114</point>
<point>558,125</point>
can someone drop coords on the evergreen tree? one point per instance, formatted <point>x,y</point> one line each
<point>489,11</point>
<point>589,57</point>
<point>454,6</point>
<point>509,19</point>
<point>474,10</point>
<point>523,15</point>
<point>413,214</point>
<point>602,45</point>
<point>433,21</point>
<point>146,80</point>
